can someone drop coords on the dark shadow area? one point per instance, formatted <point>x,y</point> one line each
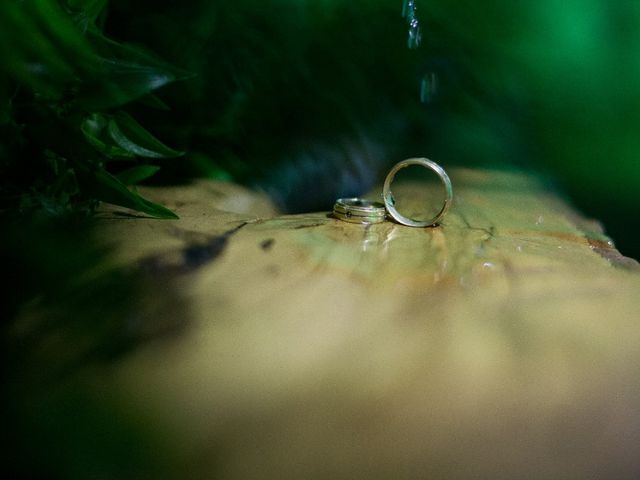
<point>67,313</point>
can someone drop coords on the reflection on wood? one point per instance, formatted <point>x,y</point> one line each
<point>502,344</point>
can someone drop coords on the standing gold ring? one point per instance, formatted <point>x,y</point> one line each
<point>389,199</point>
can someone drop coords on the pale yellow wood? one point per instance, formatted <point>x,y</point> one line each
<point>503,344</point>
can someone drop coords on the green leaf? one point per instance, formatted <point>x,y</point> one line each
<point>29,48</point>
<point>94,129</point>
<point>96,183</point>
<point>60,53</point>
<point>106,187</point>
<point>127,133</point>
<point>66,36</point>
<point>137,174</point>
<point>126,73</point>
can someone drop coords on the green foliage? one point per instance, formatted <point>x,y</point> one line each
<point>134,139</point>
<point>120,136</point>
<point>63,86</point>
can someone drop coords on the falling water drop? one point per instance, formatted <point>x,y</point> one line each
<point>409,10</point>
<point>407,6</point>
<point>428,87</point>
<point>415,33</point>
<point>429,82</point>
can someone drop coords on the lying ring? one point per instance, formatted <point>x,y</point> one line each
<point>358,210</point>
<point>360,206</point>
<point>390,201</point>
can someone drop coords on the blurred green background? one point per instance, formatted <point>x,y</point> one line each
<point>307,100</point>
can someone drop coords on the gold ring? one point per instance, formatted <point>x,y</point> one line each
<point>389,200</point>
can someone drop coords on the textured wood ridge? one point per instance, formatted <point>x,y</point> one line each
<point>503,344</point>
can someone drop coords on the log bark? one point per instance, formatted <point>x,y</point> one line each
<point>504,343</point>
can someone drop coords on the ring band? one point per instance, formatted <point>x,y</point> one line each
<point>358,210</point>
<point>389,199</point>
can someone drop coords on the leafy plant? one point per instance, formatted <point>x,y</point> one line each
<point>67,139</point>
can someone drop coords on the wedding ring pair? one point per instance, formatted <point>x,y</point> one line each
<point>357,210</point>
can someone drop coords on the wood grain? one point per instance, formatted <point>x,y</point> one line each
<point>504,343</point>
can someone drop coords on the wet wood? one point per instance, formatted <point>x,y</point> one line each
<point>503,344</point>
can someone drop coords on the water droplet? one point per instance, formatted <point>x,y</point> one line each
<point>428,87</point>
<point>408,8</point>
<point>415,33</point>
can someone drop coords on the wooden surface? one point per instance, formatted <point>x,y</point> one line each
<point>503,344</point>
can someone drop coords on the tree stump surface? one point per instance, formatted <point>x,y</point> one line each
<point>504,343</point>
